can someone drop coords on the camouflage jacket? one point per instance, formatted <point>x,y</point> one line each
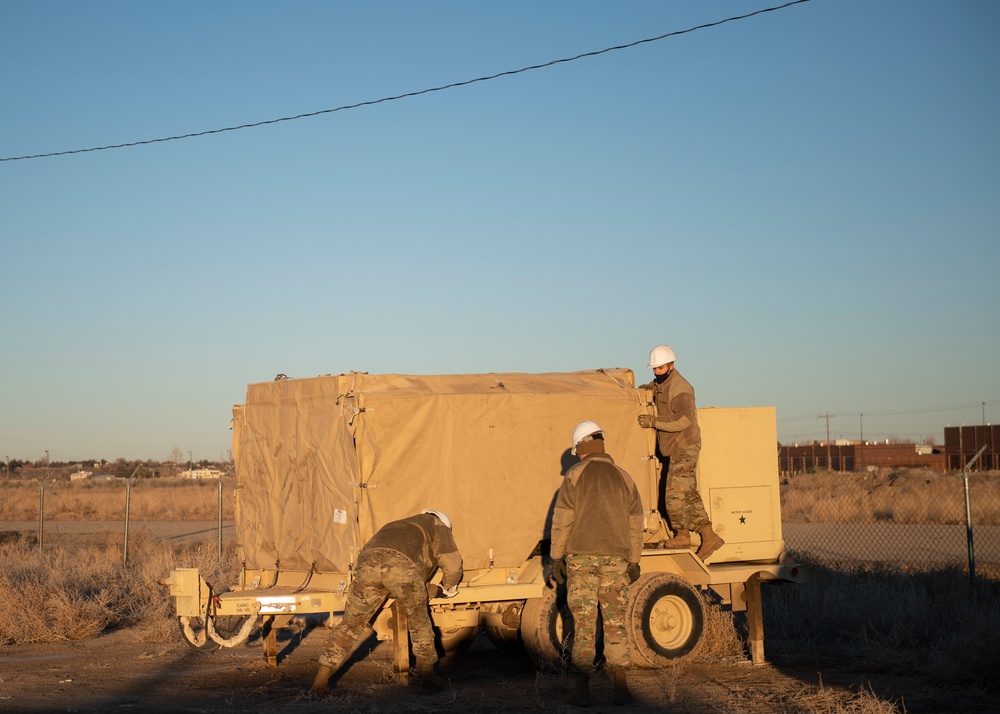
<point>427,542</point>
<point>676,414</point>
<point>598,511</point>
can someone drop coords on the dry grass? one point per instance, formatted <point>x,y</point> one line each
<point>934,624</point>
<point>86,589</point>
<point>724,634</point>
<point>878,622</point>
<point>883,622</point>
<point>898,496</point>
<point>149,499</point>
<point>917,496</point>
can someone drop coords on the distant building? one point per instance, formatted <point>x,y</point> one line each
<point>856,456</point>
<point>201,473</point>
<point>962,443</point>
<point>80,475</point>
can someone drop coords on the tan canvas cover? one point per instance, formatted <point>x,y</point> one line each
<point>295,465</point>
<point>324,462</point>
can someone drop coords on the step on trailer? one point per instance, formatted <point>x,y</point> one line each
<point>322,463</point>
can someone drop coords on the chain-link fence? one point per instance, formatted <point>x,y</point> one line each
<point>899,518</point>
<point>53,513</point>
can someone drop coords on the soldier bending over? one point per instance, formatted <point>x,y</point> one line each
<point>398,561</point>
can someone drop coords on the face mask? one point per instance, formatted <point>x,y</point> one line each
<point>660,378</point>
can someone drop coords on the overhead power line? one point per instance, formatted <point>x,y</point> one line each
<point>897,412</point>
<point>406,95</point>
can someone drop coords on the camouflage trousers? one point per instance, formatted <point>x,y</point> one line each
<point>685,508</point>
<point>381,573</point>
<point>592,582</point>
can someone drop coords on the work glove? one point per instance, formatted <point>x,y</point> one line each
<point>433,591</point>
<point>559,571</point>
<point>647,421</point>
<point>632,571</point>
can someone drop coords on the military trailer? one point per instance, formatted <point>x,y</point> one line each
<point>323,462</point>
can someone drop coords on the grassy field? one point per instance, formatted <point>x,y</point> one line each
<point>902,496</point>
<point>149,499</point>
<point>876,622</point>
<point>931,625</point>
<point>915,496</point>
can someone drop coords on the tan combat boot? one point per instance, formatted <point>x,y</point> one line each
<point>430,683</point>
<point>681,539</point>
<point>622,694</point>
<point>581,692</point>
<point>710,542</point>
<point>321,684</point>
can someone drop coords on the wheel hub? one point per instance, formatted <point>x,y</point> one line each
<point>667,623</point>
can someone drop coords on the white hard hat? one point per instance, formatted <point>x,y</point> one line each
<point>440,514</point>
<point>661,355</point>
<point>584,429</point>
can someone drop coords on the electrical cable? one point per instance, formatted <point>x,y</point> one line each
<point>926,410</point>
<point>406,95</point>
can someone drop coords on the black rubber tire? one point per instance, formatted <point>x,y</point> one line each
<point>666,620</point>
<point>546,630</point>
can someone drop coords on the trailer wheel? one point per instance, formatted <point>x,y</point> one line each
<point>666,620</point>
<point>546,629</point>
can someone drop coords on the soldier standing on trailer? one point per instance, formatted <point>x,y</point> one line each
<point>678,444</point>
<point>596,544</point>
<point>398,561</point>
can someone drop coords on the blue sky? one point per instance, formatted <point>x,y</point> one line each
<point>805,204</point>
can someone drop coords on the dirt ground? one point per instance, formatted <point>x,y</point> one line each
<point>120,672</point>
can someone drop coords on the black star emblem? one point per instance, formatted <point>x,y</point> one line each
<point>743,519</point>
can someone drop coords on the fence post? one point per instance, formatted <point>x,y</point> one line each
<point>220,519</point>
<point>41,503</point>
<point>221,479</point>
<point>968,518</point>
<point>41,514</point>
<point>128,510</point>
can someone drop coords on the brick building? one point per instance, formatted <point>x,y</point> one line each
<point>854,456</point>
<point>961,443</point>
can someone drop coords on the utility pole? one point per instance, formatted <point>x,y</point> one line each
<point>827,416</point>
<point>862,429</point>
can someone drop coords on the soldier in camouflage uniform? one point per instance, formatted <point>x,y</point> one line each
<point>398,561</point>
<point>596,544</point>
<point>678,443</point>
